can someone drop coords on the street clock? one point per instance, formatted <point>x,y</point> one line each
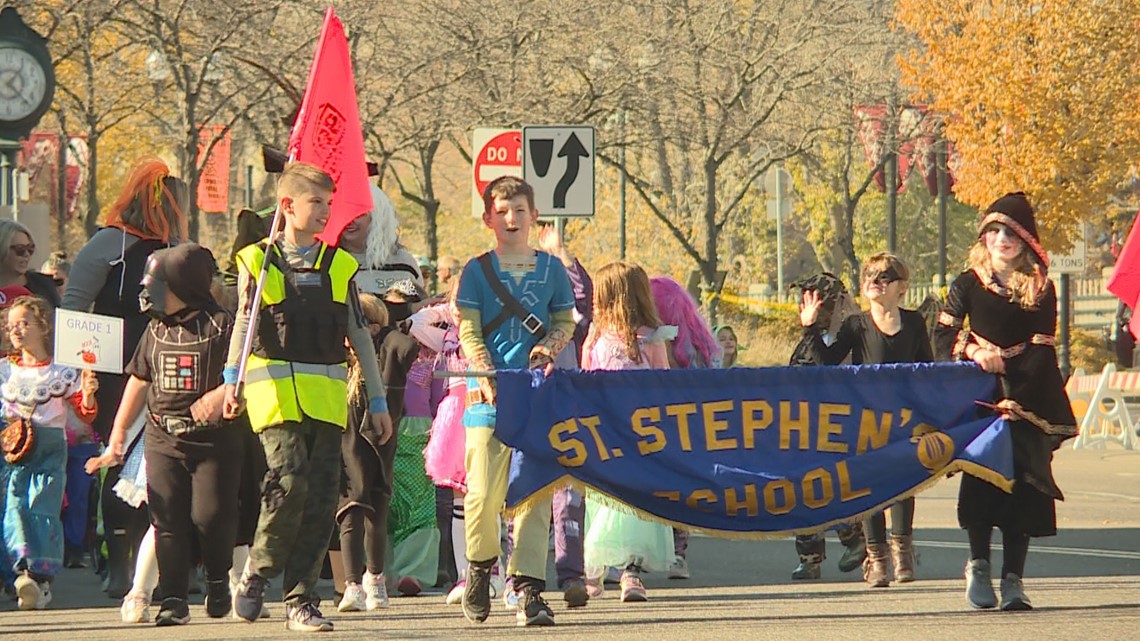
<point>27,78</point>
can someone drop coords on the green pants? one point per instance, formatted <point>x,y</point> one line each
<point>298,505</point>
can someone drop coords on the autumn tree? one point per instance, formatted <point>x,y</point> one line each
<point>195,65</point>
<point>1041,97</point>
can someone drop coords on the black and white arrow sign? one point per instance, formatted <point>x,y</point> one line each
<point>559,163</point>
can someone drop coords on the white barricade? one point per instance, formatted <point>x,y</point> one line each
<point>1101,408</point>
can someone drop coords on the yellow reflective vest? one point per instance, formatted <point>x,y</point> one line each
<point>298,363</point>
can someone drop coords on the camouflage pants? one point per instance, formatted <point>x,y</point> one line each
<point>298,504</point>
<point>811,546</point>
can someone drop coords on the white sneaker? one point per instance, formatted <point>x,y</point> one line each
<point>30,594</point>
<point>135,608</point>
<point>455,597</point>
<point>679,569</point>
<point>353,599</point>
<point>375,591</point>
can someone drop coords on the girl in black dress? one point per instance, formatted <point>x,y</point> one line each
<point>1001,313</point>
<point>885,333</point>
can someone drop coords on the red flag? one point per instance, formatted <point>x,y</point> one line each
<point>328,133</point>
<point>1125,280</point>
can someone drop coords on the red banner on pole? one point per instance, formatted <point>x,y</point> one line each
<point>328,132</point>
<point>214,179</point>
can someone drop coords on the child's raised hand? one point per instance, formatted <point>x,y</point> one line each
<point>549,240</point>
<point>809,307</point>
<point>88,383</point>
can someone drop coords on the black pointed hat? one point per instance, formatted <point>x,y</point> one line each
<point>1014,211</point>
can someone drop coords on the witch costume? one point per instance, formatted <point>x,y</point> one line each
<point>981,310</point>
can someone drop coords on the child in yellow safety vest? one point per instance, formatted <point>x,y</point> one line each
<point>296,392</point>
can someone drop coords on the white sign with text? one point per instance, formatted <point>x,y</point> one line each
<point>89,341</point>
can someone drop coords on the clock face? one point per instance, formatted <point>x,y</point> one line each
<point>23,84</point>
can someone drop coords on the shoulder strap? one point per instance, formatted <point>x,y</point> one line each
<point>511,305</point>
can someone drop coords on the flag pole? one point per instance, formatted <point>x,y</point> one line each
<point>255,304</point>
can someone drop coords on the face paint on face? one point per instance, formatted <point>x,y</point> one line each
<point>1002,243</point>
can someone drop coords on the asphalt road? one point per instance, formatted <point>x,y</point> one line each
<point>1085,583</point>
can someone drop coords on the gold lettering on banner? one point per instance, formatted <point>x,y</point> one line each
<point>826,492</point>
<point>701,496</point>
<point>750,504</point>
<point>800,425</point>
<point>754,423</point>
<point>574,451</point>
<point>682,412</point>
<point>787,492</point>
<point>713,426</point>
<point>655,435</point>
<point>845,491</point>
<point>873,434</point>
<point>827,429</point>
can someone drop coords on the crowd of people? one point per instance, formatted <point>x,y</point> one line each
<point>343,435</point>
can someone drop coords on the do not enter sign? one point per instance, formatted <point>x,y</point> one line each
<point>498,152</point>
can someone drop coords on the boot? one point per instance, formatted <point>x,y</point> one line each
<point>806,570</point>
<point>118,565</point>
<point>875,566</point>
<point>854,547</point>
<point>903,557</point>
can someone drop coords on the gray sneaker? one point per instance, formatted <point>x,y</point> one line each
<point>1013,597</point>
<point>979,586</point>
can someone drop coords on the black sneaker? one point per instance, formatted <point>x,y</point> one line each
<point>174,611</point>
<point>477,592</point>
<point>533,610</point>
<point>218,598</point>
<point>250,598</point>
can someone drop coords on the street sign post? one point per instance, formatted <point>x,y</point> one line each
<point>558,161</point>
<point>495,153</point>
<point>1073,262</point>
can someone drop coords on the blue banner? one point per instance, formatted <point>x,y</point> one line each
<point>752,452</point>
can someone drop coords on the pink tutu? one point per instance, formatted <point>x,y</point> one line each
<point>444,458</point>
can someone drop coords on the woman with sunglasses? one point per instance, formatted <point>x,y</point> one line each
<point>16,250</point>
<point>885,333</point>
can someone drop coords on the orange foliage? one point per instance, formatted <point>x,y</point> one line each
<point>1043,96</point>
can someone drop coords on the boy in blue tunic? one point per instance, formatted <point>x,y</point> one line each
<point>515,311</point>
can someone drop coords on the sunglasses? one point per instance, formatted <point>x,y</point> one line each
<point>23,251</point>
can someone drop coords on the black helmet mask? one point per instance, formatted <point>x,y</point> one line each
<point>152,298</point>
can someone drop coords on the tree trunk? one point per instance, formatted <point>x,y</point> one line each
<point>431,206</point>
<point>90,222</point>
<point>709,265</point>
